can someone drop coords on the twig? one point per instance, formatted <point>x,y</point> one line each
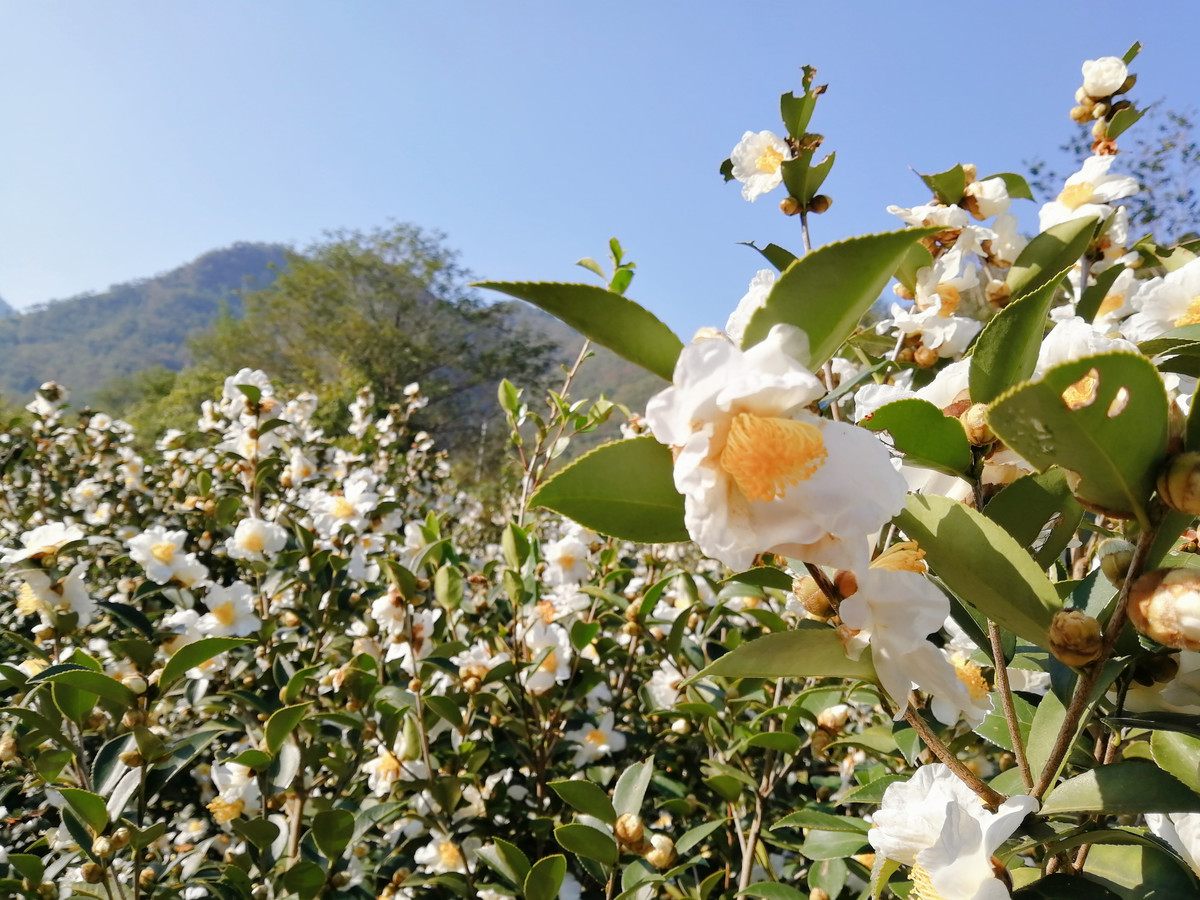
<point>1010,712</point>
<point>991,797</point>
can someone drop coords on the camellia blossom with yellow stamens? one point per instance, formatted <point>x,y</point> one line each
<point>760,473</point>
<point>756,162</point>
<point>1088,193</point>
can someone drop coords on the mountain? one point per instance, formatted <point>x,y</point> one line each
<point>85,341</point>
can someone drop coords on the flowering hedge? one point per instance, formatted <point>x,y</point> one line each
<point>906,608</point>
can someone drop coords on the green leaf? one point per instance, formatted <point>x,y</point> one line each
<point>259,832</point>
<point>774,254</point>
<point>625,489</point>
<point>332,830</point>
<point>1064,887</point>
<point>924,434</point>
<point>1141,872</point>
<point>833,844</point>
<point>1178,754</point>
<point>1050,253</point>
<point>916,259</point>
<point>183,753</point>
<point>587,842</point>
<point>796,112</point>
<point>694,836</point>
<point>583,633</point>
<point>772,890</point>
<point>811,650</point>
<point>1114,443</point>
<point>586,797</point>
<point>822,821</point>
<point>826,292</point>
<point>1123,120</point>
<point>604,317</point>
<point>282,723</point>
<point>28,865</point>
<point>872,791</point>
<point>779,741</point>
<point>306,878</point>
<point>545,878</point>
<point>631,788</point>
<point>191,655</point>
<point>1016,185</point>
<point>801,178</point>
<point>1006,351</point>
<point>1033,503</point>
<point>73,703</point>
<point>948,186</point>
<point>994,727</point>
<point>984,567</point>
<point>1123,788</point>
<point>1131,54</point>
<point>98,684</point>
<point>1094,294</point>
<point>88,806</point>
<point>506,859</point>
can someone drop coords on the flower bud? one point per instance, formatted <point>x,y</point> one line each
<point>1075,637</point>
<point>662,852</point>
<point>131,758</point>
<point>1115,555</point>
<point>811,597</point>
<point>925,358</point>
<point>789,206</point>
<point>833,719</point>
<point>681,726</point>
<point>975,425</point>
<point>146,877</point>
<point>102,847</point>
<point>819,741</point>
<point>121,838</point>
<point>48,890</point>
<point>818,894</point>
<point>819,203</point>
<point>629,830</point>
<point>93,873</point>
<point>136,683</point>
<point>633,611</point>
<point>1179,483</point>
<point>1156,670</point>
<point>1081,114</point>
<point>133,718</point>
<point>845,583</point>
<point>1164,605</point>
<point>8,747</point>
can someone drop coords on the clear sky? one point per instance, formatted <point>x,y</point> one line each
<point>138,134</point>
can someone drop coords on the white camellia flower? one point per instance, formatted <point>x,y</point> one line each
<point>938,826</point>
<point>44,540</point>
<point>442,854</point>
<point>990,196</point>
<point>1073,339</point>
<point>230,611</point>
<point>566,561</point>
<point>596,741</point>
<point>1182,832</point>
<point>1163,303</point>
<point>237,792</point>
<point>160,553</point>
<point>756,161</point>
<point>895,612</point>
<point>1104,76</point>
<point>754,300</point>
<point>947,217</point>
<point>1088,193</point>
<point>550,650</point>
<point>1008,242</point>
<point>256,539</point>
<point>758,472</point>
<point>39,594</point>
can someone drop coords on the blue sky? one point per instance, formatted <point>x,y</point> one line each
<point>138,135</point>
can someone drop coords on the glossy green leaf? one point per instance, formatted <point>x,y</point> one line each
<point>1123,120</point>
<point>774,254</point>
<point>1179,755</point>
<point>28,865</point>
<point>588,842</point>
<point>1053,251</point>
<point>605,317</point>
<point>810,650</point>
<point>948,186</point>
<point>99,684</point>
<point>833,844</point>
<point>1103,417</point>
<point>826,292</point>
<point>694,836</point>
<point>916,259</point>
<point>924,434</point>
<point>1006,351</point>
<point>822,821</point>
<point>1064,887</point>
<point>1016,185</point>
<point>1093,295</point>
<point>282,723</point>
<point>89,807</point>
<point>796,112</point>
<point>983,565</point>
<point>332,830</point>
<point>1122,788</point>
<point>75,704</point>
<point>1140,873</point>
<point>994,727</point>
<point>872,791</point>
<point>772,890</point>
<point>191,655</point>
<point>586,797</point>
<point>506,859</point>
<point>305,878</point>
<point>1040,513</point>
<point>803,179</point>
<point>183,753</point>
<point>545,878</point>
<point>625,489</point>
<point>631,788</point>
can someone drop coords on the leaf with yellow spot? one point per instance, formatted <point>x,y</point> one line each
<point>1102,418</point>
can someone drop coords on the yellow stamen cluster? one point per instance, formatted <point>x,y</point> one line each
<point>164,552</point>
<point>1075,195</point>
<point>224,811</point>
<point>972,676</point>
<point>1192,316</point>
<point>769,160</point>
<point>765,455</point>
<point>923,888</point>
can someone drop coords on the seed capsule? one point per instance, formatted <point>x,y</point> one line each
<point>629,830</point>
<point>1115,555</point>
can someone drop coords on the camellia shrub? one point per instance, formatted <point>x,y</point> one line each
<point>869,602</point>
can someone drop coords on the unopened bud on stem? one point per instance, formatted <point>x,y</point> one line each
<point>1075,637</point>
<point>1165,605</point>
<point>1179,483</point>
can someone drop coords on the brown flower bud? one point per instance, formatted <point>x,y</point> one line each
<point>1179,483</point>
<point>8,747</point>
<point>102,847</point>
<point>819,741</point>
<point>819,203</point>
<point>811,597</point>
<point>93,873</point>
<point>925,358</point>
<point>131,758</point>
<point>146,877</point>
<point>845,583</point>
<point>631,628</point>
<point>662,851</point>
<point>833,719</point>
<point>629,830</point>
<point>1115,555</point>
<point>1165,605</point>
<point>1075,637</point>
<point>818,894</point>
<point>133,718</point>
<point>975,425</point>
<point>121,838</point>
<point>633,611</point>
<point>789,206</point>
